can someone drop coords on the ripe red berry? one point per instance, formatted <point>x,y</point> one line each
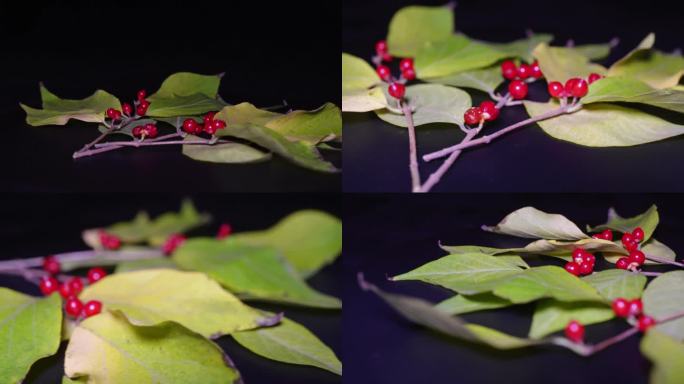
<point>141,94</point>
<point>209,117</point>
<point>409,74</point>
<point>172,242</point>
<point>48,284</point>
<point>593,77</point>
<point>636,256</point>
<point>591,259</point>
<point>383,72</point>
<point>397,90</point>
<point>524,71</point>
<point>150,130</point>
<point>109,241</point>
<point>638,234</point>
<point>574,331</point>
<point>381,47</point>
<point>605,235</point>
<point>73,306</point>
<point>65,290</point>
<point>645,322</point>
<point>517,89</point>
<point>586,268</point>
<point>579,88</point>
<point>405,64</point>
<point>96,274</point>
<point>622,263</point>
<point>473,116</point>
<point>636,307</point>
<point>224,231</point>
<point>75,284</point>
<point>209,128</point>
<point>51,265</point>
<point>620,307</point>
<point>137,131</point>
<point>127,109</point>
<point>189,125</point>
<point>578,255</point>
<point>509,70</point>
<point>218,124</point>
<point>556,89</point>
<point>569,85</point>
<point>628,242</point>
<point>111,112</point>
<point>92,308</point>
<point>489,110</point>
<point>536,71</point>
<point>573,268</point>
<point>140,110</point>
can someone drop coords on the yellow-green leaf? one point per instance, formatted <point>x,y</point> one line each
<point>666,354</point>
<point>657,69</point>
<point>414,27</point>
<point>563,63</point>
<point>357,73</point>
<point>648,221</point>
<point>322,124</point>
<point>532,223</point>
<point>227,153</point>
<point>363,100</point>
<point>460,304</point>
<point>630,90</point>
<point>56,111</point>
<point>616,283</point>
<point>521,48</point>
<point>187,84</point>
<point>245,113</point>
<point>455,54</point>
<point>552,315</point>
<point>433,103</point>
<point>547,281</point>
<point>663,298</point>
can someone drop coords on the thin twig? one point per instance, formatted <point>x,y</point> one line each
<point>100,256</point>
<point>413,156</point>
<point>664,261</point>
<point>437,175</point>
<point>155,143</point>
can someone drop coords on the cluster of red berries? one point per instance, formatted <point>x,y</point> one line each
<point>630,241</point>
<point>574,87</point>
<point>109,241</point>
<point>70,289</point>
<point>582,262</point>
<point>406,67</point>
<point>396,89</point>
<point>382,51</point>
<point>141,106</point>
<point>634,309</point>
<point>518,74</point>
<point>486,111</point>
<point>210,125</point>
<point>147,130</point>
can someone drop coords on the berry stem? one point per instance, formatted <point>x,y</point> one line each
<point>437,175</point>
<point>413,157</point>
<point>612,340</point>
<point>664,261</point>
<point>650,273</point>
<point>83,258</point>
<point>488,138</point>
<point>155,143</point>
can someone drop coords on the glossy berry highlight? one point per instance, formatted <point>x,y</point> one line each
<point>637,256</point>
<point>536,71</point>
<point>75,285</point>
<point>636,307</point>
<point>645,322</point>
<point>48,285</point>
<point>383,72</point>
<point>638,234</point>
<point>622,263</point>
<point>489,110</point>
<point>517,89</point>
<point>73,307</point>
<point>572,268</point>
<point>556,89</point>
<point>574,331</point>
<point>397,90</point>
<point>509,70</point>
<point>620,307</point>
<point>96,274</point>
<point>51,265</point>
<point>473,116</point>
<point>92,308</point>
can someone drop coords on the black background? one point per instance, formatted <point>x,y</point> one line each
<point>528,160</point>
<point>269,51</point>
<point>390,234</point>
<point>36,225</point>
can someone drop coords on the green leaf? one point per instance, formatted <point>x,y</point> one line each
<point>187,84</point>
<point>292,343</point>
<point>137,265</point>
<point>154,231</point>
<point>231,153</point>
<point>563,63</point>
<point>363,100</point>
<point>308,239</point>
<point>56,111</point>
<point>594,51</point>
<point>555,248</point>
<point>532,223</point>
<point>424,313</point>
<point>485,80</point>
<point>551,316</point>
<point>434,103</point>
<point>521,48</point>
<point>460,304</point>
<point>357,74</point>
<point>30,329</point>
<point>322,124</point>
<point>547,281</point>
<point>604,125</point>
<point>457,53</point>
<point>652,247</point>
<point>663,298</point>
<point>251,272</point>
<point>666,354</point>
<point>648,221</point>
<point>414,27</point>
<point>615,283</point>
<point>657,69</point>
<point>467,273</point>
<point>107,349</point>
<point>245,113</point>
<point>150,297</point>
<point>194,104</point>
<point>300,153</point>
<point>67,380</point>
<point>629,90</point>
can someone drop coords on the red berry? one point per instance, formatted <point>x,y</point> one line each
<point>628,242</point>
<point>607,235</point>
<point>189,125</point>
<point>573,268</point>
<point>635,307</point>
<point>397,90</point>
<point>586,268</point>
<point>574,331</point>
<point>140,110</point>
<point>578,255</point>
<point>224,231</point>
<point>209,117</point>
<point>150,130</point>
<point>579,88</point>
<point>137,131</point>
<point>48,284</point>
<point>96,274</point>
<point>172,242</point>
<point>92,308</point>
<point>75,284</point>
<point>536,71</point>
<point>117,115</point>
<point>556,89</point>
<point>620,307</point>
<point>637,256</point>
<point>51,265</point>
<point>127,109</point>
<point>383,72</point>
<point>144,103</point>
<point>509,70</point>
<point>386,57</point>
<point>591,259</point>
<point>141,94</point>
<point>409,74</point>
<point>645,322</point>
<point>218,124</point>
<point>517,89</point>
<point>405,64</point>
<point>381,47</point>
<point>638,234</point>
<point>569,85</point>
<point>593,77</point>
<point>109,241</point>
<point>473,116</point>
<point>489,110</point>
<point>73,306</point>
<point>622,263</point>
<point>524,71</point>
<point>65,290</point>
<point>111,113</point>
